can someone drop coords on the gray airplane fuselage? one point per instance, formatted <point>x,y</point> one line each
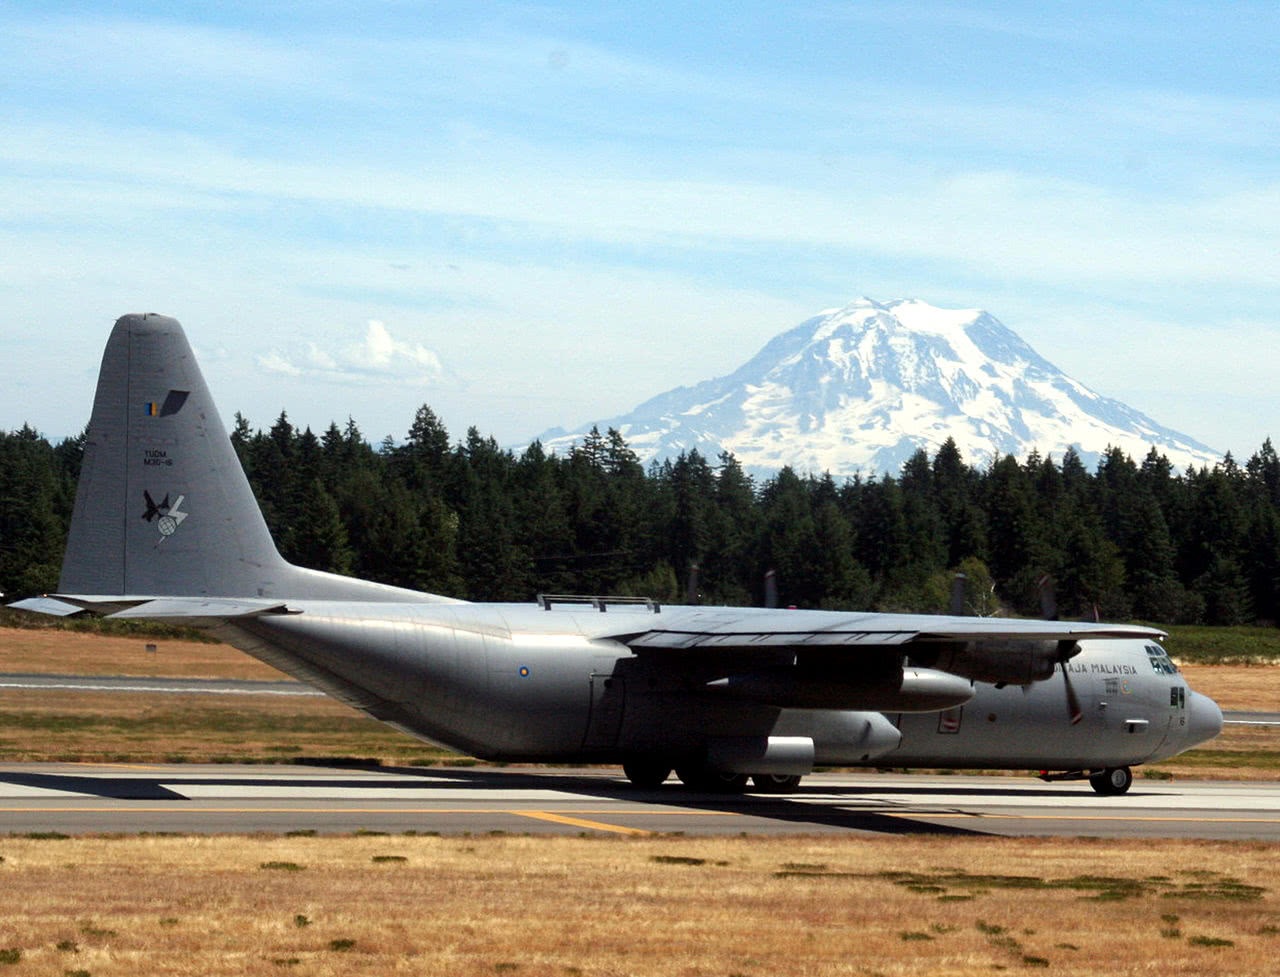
<point>516,682</point>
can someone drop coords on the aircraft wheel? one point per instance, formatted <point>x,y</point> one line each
<point>1113,780</point>
<point>775,783</point>
<point>708,779</point>
<point>647,774</point>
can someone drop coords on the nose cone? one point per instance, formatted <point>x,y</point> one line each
<point>1204,720</point>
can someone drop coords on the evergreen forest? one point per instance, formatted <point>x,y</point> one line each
<point>1130,540</point>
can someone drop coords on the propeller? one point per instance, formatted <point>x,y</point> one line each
<point>691,594</point>
<point>958,583</point>
<point>1048,598</point>
<point>1066,649</point>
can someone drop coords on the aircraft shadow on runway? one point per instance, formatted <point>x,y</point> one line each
<point>882,818</point>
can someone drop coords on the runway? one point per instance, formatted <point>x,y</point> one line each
<point>84,798</point>
<point>124,683</point>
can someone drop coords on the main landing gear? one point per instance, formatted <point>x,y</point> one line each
<point>651,774</point>
<point>646,774</point>
<point>775,783</point>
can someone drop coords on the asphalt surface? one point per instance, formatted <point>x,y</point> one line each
<point>83,798</point>
<point>118,683</point>
<point>1251,718</point>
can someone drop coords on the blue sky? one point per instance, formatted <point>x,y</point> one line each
<point>530,215</point>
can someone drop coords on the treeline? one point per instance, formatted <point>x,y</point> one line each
<point>469,519</point>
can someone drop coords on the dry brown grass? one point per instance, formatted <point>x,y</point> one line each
<point>1247,688</point>
<point>133,727</point>
<point>656,906</point>
<point>71,653</point>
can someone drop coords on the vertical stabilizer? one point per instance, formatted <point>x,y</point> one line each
<point>163,505</point>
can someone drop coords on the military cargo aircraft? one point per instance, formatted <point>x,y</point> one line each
<point>165,527</point>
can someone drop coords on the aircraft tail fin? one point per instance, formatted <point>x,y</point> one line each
<point>163,507</point>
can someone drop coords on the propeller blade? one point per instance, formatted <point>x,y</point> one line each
<point>1065,650</point>
<point>957,593</point>
<point>1048,598</point>
<point>1073,703</point>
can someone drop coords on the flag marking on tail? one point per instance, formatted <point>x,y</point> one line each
<point>173,402</point>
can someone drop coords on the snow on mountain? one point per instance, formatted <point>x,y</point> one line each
<point>861,388</point>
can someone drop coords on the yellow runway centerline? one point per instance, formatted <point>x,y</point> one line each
<point>581,822</point>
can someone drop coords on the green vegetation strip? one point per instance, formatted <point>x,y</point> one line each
<point>1201,645</point>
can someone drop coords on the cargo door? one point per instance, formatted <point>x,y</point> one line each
<point>608,698</point>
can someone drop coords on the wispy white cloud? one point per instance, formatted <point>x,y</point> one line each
<point>118,54</point>
<point>375,356</point>
<point>274,361</point>
<point>1039,227</point>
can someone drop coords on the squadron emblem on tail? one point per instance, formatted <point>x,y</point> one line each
<point>167,517</point>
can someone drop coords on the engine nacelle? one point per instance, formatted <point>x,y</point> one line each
<point>1016,662</point>
<point>786,756</point>
<point>840,737</point>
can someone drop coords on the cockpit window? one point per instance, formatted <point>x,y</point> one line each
<point>1161,663</point>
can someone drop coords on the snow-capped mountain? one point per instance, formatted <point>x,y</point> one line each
<point>861,388</point>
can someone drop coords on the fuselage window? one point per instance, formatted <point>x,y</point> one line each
<point>1161,663</point>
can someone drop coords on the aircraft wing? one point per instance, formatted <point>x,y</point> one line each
<point>707,629</point>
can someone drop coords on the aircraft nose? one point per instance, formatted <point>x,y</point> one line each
<point>1204,719</point>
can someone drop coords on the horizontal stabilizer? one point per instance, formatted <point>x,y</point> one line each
<point>47,605</point>
<point>183,610</point>
<point>212,608</point>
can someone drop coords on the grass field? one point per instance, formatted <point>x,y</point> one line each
<point>64,652</point>
<point>588,906</point>
<point>537,907</point>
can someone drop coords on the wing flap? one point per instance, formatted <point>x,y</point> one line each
<point>679,640</point>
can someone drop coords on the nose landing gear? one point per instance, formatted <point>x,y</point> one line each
<point>1112,781</point>
<point>1108,782</point>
